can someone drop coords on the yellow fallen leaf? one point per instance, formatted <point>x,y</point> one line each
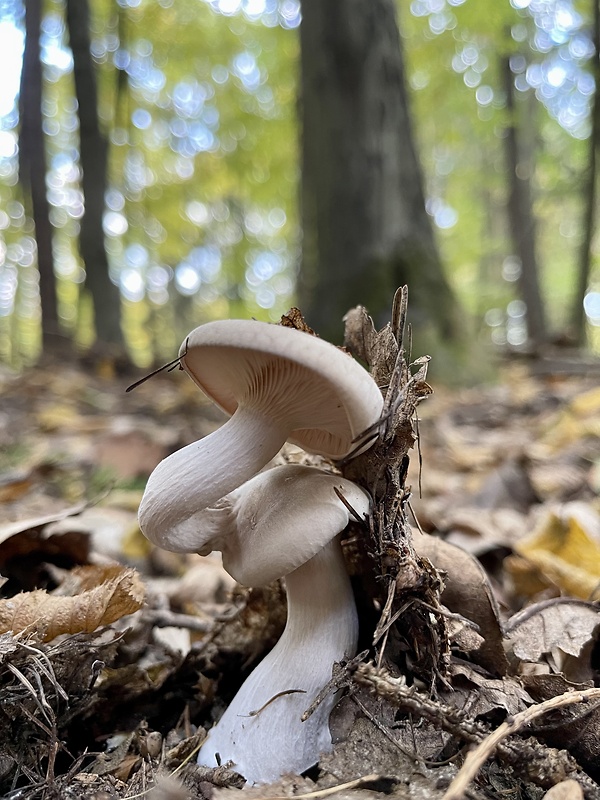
<point>120,592</point>
<point>56,417</point>
<point>564,553</point>
<point>587,403</point>
<point>579,419</point>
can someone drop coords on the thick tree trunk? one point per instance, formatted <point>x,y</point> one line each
<point>578,318</point>
<point>521,220</point>
<point>93,153</point>
<point>32,172</point>
<point>365,227</point>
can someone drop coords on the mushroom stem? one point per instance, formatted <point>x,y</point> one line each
<point>197,476</point>
<point>261,731</point>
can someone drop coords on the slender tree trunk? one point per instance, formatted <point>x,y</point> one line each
<point>93,152</point>
<point>365,227</point>
<point>32,172</point>
<point>521,220</point>
<point>590,195</point>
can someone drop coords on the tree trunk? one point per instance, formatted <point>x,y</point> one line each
<point>590,195</point>
<point>93,153</point>
<point>32,172</point>
<point>365,227</point>
<point>520,217</point>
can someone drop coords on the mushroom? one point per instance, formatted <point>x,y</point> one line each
<point>286,522</point>
<point>277,383</point>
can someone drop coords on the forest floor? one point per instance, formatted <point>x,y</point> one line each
<point>114,654</point>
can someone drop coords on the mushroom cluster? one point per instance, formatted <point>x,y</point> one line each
<point>278,384</point>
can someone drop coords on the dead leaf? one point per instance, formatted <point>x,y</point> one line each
<point>479,530</point>
<point>551,630</point>
<point>36,523</point>
<point>478,696</point>
<point>467,592</point>
<point>27,548</point>
<point>127,451</point>
<point>58,416</point>
<point>565,550</point>
<point>48,616</point>
<point>113,532</point>
<point>508,486</point>
<point>579,419</point>
<point>294,319</point>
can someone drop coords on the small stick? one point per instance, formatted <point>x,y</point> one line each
<point>275,697</point>
<point>338,681</point>
<point>477,757</point>
<point>163,618</point>
<point>352,510</point>
<point>326,792</point>
<point>169,367</point>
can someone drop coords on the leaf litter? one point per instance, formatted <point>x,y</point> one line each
<point>478,581</point>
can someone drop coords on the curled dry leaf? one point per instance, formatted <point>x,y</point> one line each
<point>467,592</point>
<point>120,592</point>
<point>294,319</point>
<point>478,696</point>
<point>551,630</point>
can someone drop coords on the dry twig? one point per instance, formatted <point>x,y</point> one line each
<point>477,757</point>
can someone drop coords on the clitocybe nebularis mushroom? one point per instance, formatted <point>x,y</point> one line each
<point>285,522</point>
<point>278,384</point>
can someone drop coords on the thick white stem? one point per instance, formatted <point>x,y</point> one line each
<point>262,732</point>
<point>194,478</point>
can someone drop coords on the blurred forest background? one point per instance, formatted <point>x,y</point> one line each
<point>167,162</point>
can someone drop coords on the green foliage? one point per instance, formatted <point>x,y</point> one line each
<point>200,111</point>
<point>459,105</point>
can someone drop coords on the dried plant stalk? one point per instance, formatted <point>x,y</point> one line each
<point>405,583</point>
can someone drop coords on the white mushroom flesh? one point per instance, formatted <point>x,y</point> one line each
<point>172,511</point>
<point>262,732</point>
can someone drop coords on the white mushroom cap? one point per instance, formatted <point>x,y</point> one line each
<point>282,518</point>
<point>278,383</point>
<point>317,392</point>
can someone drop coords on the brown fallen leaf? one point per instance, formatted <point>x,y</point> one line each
<point>551,631</point>
<point>47,616</point>
<point>478,696</point>
<point>468,592</point>
<point>36,524</point>
<point>28,546</point>
<point>295,319</point>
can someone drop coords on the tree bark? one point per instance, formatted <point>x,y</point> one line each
<point>521,219</point>
<point>32,172</point>
<point>93,154</point>
<point>365,227</point>
<point>590,196</point>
